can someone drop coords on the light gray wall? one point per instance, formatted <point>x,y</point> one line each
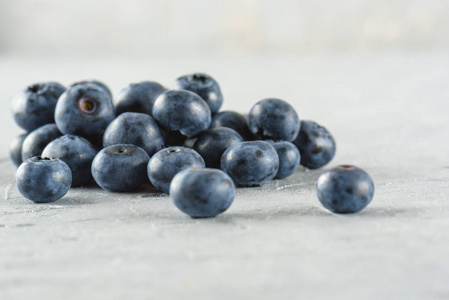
<point>170,27</point>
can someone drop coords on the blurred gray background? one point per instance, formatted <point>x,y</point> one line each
<point>218,27</point>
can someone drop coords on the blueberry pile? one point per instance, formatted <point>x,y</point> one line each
<point>176,139</point>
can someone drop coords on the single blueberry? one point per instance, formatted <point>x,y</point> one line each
<point>182,111</point>
<point>168,162</point>
<point>35,106</point>
<point>38,139</point>
<point>120,168</point>
<point>84,110</point>
<point>15,149</point>
<point>96,83</point>
<point>345,189</point>
<point>250,163</point>
<point>212,143</point>
<point>233,120</point>
<point>138,97</point>
<point>289,158</point>
<point>204,86</point>
<point>77,153</point>
<point>316,145</point>
<point>273,119</point>
<point>202,193</point>
<point>134,128</point>
<point>43,179</point>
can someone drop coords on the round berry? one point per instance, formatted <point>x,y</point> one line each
<point>204,86</point>
<point>289,158</point>
<point>134,128</point>
<point>316,145</point>
<point>43,179</point>
<point>212,143</point>
<point>15,149</point>
<point>345,189</point>
<point>120,168</point>
<point>168,162</point>
<point>250,163</point>
<point>233,120</point>
<point>182,111</point>
<point>38,139</point>
<point>77,153</point>
<point>202,193</point>
<point>84,110</point>
<point>35,106</point>
<point>273,119</point>
<point>138,97</point>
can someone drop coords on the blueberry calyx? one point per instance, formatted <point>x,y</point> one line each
<point>346,166</point>
<point>33,88</point>
<point>175,150</point>
<point>199,78</point>
<point>40,158</point>
<point>87,105</point>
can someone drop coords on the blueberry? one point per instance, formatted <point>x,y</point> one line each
<point>84,110</point>
<point>204,86</point>
<point>43,179</point>
<point>15,149</point>
<point>138,97</point>
<point>316,145</point>
<point>168,162</point>
<point>96,83</point>
<point>212,143</point>
<point>182,111</point>
<point>38,139</point>
<point>202,193</point>
<point>35,106</point>
<point>233,120</point>
<point>273,119</point>
<point>134,128</point>
<point>250,163</point>
<point>120,168</point>
<point>77,153</point>
<point>289,158</point>
<point>345,189</point>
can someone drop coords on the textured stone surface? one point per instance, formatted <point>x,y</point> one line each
<point>389,116</point>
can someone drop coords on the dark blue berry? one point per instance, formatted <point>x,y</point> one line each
<point>35,106</point>
<point>15,149</point>
<point>134,128</point>
<point>202,193</point>
<point>121,168</point>
<point>212,143</point>
<point>182,111</point>
<point>138,97</point>
<point>316,145</point>
<point>273,119</point>
<point>96,83</point>
<point>43,179</point>
<point>250,163</point>
<point>84,110</point>
<point>168,162</point>
<point>77,153</point>
<point>204,86</point>
<point>38,139</point>
<point>345,189</point>
<point>233,120</point>
<point>289,158</point>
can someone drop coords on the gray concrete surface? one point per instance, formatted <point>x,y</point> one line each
<point>389,115</point>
